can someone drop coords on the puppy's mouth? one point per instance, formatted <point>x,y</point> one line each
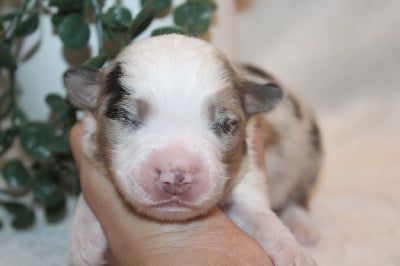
<point>173,202</point>
<point>175,210</point>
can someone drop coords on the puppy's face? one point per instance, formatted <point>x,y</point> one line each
<point>171,115</point>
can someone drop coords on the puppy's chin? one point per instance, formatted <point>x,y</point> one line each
<point>173,211</point>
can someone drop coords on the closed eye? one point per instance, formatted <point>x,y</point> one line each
<point>121,114</point>
<point>225,126</point>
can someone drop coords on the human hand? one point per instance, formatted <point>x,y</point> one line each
<point>136,240</point>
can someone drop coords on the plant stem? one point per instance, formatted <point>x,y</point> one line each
<point>99,27</point>
<point>17,19</point>
<point>10,93</point>
<point>10,35</point>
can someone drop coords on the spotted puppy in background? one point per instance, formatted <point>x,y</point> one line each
<point>178,128</point>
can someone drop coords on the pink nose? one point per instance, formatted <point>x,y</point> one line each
<point>178,172</point>
<point>175,183</point>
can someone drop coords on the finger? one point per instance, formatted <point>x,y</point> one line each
<point>75,138</point>
<point>96,187</point>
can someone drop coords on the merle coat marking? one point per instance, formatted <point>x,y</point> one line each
<point>175,124</point>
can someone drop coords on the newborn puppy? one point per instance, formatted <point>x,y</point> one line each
<point>176,126</point>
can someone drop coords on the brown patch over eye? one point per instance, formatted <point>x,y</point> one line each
<point>225,126</point>
<point>225,113</point>
<point>130,111</point>
<point>227,121</point>
<point>225,101</point>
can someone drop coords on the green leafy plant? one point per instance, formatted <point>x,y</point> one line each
<point>49,175</point>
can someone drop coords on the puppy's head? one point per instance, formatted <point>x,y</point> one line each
<point>171,113</point>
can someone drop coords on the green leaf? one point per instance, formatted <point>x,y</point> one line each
<point>57,18</point>
<point>118,17</point>
<point>27,26</point>
<point>167,30</point>
<point>117,39</point>
<point>160,6</point>
<point>59,143</point>
<point>6,139</point>
<point>8,16</point>
<point>194,17</point>
<point>7,59</point>
<point>48,192</point>
<point>57,104</point>
<point>142,20</point>
<point>56,212</point>
<point>210,3</point>
<point>23,217</point>
<point>67,4</point>
<point>42,140</point>
<point>16,176</point>
<point>70,177</point>
<point>18,117</point>
<point>96,61</point>
<point>34,139</point>
<point>74,32</point>
<point>24,220</point>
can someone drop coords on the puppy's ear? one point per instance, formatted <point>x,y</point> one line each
<point>83,87</point>
<point>260,98</point>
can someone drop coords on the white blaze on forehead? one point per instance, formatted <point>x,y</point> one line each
<point>178,78</point>
<point>173,73</point>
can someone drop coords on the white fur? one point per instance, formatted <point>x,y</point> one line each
<point>160,71</point>
<point>249,209</point>
<point>193,78</point>
<point>296,136</point>
<point>87,243</point>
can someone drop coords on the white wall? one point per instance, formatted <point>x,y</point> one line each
<point>331,51</point>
